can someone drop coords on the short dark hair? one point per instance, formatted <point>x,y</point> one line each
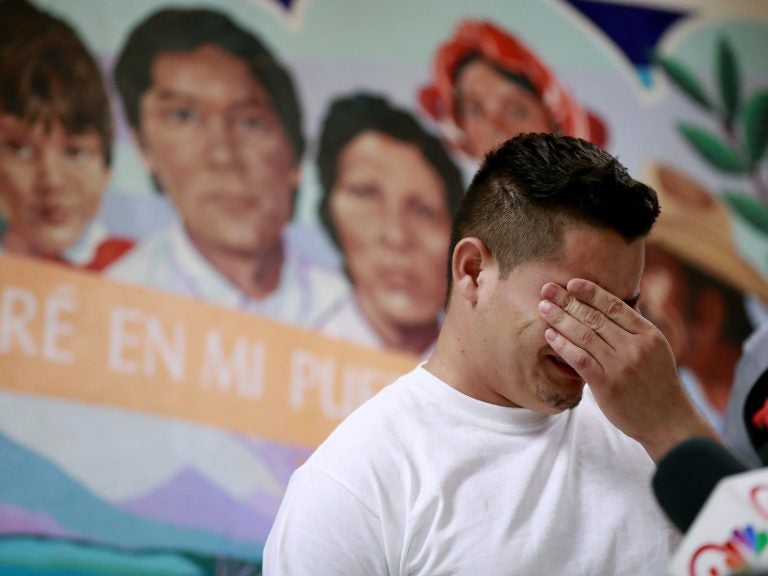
<point>180,31</point>
<point>533,185</point>
<point>351,116</point>
<point>48,76</point>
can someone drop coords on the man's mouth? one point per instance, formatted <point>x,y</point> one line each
<point>563,367</point>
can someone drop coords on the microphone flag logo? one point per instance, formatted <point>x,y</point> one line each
<point>732,557</point>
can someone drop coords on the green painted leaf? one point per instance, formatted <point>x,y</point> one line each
<point>751,210</point>
<point>756,126</point>
<point>729,79</point>
<point>761,541</point>
<point>718,153</point>
<point>684,79</point>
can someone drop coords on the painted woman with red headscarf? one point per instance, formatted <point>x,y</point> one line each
<point>488,87</point>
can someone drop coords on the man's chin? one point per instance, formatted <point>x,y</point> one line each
<point>559,402</point>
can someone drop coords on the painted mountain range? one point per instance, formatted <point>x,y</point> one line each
<point>55,505</point>
<point>191,501</point>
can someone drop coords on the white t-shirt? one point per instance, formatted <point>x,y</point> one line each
<point>424,480</point>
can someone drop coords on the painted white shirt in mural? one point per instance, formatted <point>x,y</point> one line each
<point>347,322</point>
<point>698,397</point>
<point>169,261</point>
<point>85,249</point>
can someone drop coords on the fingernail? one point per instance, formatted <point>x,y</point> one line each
<point>549,290</point>
<point>545,306</point>
<point>550,334</point>
<point>576,285</point>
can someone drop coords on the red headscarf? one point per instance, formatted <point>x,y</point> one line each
<point>504,50</point>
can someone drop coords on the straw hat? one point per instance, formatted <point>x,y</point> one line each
<point>696,226</point>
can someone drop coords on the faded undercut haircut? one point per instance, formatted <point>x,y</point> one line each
<point>534,185</point>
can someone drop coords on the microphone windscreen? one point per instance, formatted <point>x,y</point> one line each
<point>686,476</point>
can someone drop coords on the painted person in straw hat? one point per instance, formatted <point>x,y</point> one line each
<point>695,287</point>
<point>488,86</point>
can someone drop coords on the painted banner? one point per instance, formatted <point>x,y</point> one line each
<point>71,335</point>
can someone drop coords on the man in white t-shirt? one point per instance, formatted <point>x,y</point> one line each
<point>492,457</point>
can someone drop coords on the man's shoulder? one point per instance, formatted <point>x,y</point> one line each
<point>375,432</point>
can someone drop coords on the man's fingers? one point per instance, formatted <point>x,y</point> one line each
<point>574,330</point>
<point>590,317</point>
<point>608,304</point>
<point>576,357</point>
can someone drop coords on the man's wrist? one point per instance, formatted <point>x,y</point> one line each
<point>693,425</point>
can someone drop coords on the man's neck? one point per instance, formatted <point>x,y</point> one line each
<point>453,360</point>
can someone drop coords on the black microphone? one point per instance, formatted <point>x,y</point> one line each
<point>687,475</point>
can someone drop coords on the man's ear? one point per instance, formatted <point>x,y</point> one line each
<point>470,257</point>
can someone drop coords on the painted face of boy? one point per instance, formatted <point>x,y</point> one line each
<point>51,184</point>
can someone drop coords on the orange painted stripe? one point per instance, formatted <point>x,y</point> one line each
<point>76,335</point>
